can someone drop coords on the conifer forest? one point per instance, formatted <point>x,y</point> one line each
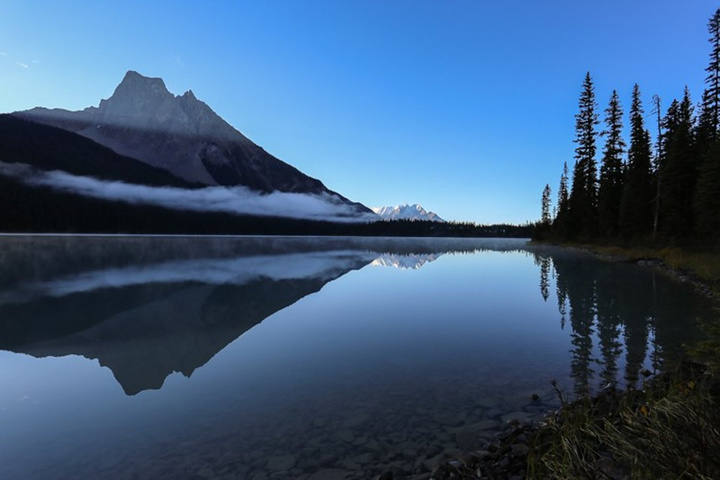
<point>661,191</point>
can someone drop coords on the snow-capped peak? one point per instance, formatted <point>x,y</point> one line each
<point>406,212</point>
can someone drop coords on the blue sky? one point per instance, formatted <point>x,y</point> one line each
<point>465,106</point>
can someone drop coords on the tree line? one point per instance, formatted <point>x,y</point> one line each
<point>662,191</point>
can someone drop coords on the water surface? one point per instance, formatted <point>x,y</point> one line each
<point>305,358</point>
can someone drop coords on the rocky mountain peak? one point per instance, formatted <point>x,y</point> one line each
<point>133,79</point>
<point>137,90</point>
<point>183,135</point>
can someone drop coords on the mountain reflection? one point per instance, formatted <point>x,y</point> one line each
<point>621,316</point>
<point>145,323</point>
<point>146,308</point>
<point>404,262</point>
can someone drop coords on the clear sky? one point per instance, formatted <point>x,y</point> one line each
<point>465,106</point>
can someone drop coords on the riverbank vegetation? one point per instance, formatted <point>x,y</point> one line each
<point>667,429</point>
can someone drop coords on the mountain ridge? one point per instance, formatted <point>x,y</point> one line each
<point>142,119</point>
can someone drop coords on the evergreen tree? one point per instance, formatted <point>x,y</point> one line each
<point>610,189</point>
<point>560,222</point>
<point>658,158</point>
<point>582,219</point>
<point>677,171</point>
<point>636,207</point>
<point>707,200</point>
<point>545,218</point>
<point>710,115</point>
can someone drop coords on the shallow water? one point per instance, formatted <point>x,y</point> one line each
<point>305,358</point>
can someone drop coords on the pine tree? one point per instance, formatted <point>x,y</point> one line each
<point>707,198</point>
<point>658,158</point>
<point>560,222</point>
<point>710,115</point>
<point>611,170</point>
<point>707,201</point>
<point>677,171</point>
<point>582,218</point>
<point>636,207</point>
<point>545,213</point>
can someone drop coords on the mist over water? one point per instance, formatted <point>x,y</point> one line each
<point>177,357</point>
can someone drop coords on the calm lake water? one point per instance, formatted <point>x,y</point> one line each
<point>305,358</point>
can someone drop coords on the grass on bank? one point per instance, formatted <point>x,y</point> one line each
<point>669,429</point>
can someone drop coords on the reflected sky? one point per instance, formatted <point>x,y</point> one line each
<point>164,358</point>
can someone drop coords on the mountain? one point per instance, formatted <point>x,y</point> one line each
<point>406,212</point>
<point>183,136</point>
<point>49,148</point>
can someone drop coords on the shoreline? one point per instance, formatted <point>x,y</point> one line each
<point>544,449</point>
<point>683,265</point>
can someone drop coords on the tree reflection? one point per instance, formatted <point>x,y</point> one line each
<point>545,263</point>
<point>623,317</point>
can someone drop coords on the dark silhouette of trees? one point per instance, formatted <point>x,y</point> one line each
<point>669,197</point>
<point>545,217</point>
<point>636,207</point>
<point>706,199</point>
<point>559,225</point>
<point>710,117</point>
<point>610,190</point>
<point>583,197</point>
<point>677,170</point>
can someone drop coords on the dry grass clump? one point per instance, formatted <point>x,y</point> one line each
<point>671,429</point>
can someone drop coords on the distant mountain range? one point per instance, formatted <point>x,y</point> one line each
<point>406,212</point>
<point>146,148</point>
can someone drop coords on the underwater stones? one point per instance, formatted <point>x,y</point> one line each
<point>339,437</point>
<point>488,402</point>
<point>449,419</point>
<point>206,472</point>
<point>281,462</point>
<point>357,420</point>
<point>346,435</point>
<point>520,416</point>
<point>330,474</point>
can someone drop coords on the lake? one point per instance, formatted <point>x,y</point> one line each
<point>306,358</point>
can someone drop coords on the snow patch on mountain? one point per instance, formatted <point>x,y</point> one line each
<point>406,212</point>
